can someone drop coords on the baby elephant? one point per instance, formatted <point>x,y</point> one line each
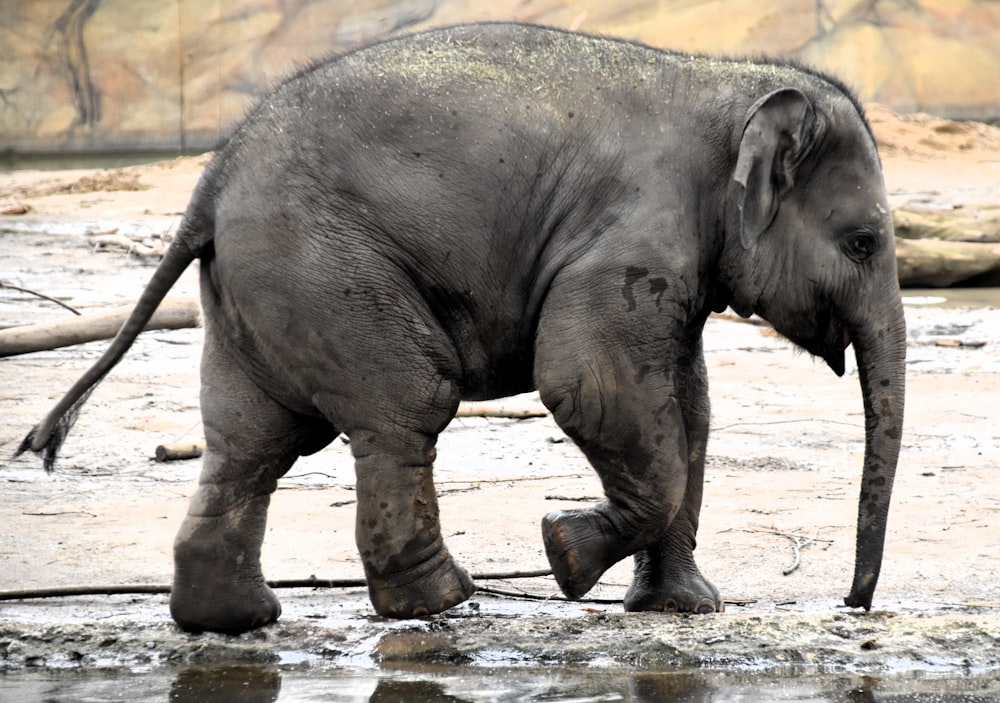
<point>483,210</point>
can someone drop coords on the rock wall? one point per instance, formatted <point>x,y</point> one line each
<point>109,75</point>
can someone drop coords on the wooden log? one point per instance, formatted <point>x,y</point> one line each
<point>936,263</point>
<point>23,339</point>
<point>968,224</point>
<point>180,450</point>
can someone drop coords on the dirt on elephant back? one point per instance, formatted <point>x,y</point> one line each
<point>777,533</point>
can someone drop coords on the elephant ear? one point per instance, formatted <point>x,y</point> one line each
<point>779,132</point>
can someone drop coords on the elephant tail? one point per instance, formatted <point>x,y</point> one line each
<point>47,437</point>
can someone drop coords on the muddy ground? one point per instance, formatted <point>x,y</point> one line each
<point>777,532</point>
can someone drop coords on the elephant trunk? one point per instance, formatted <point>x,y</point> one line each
<point>880,349</point>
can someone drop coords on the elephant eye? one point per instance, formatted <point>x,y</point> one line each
<point>860,245</point>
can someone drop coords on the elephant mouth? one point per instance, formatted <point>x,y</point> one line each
<point>829,340</point>
<point>834,343</point>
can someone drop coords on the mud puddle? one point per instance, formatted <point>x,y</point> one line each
<point>329,647</point>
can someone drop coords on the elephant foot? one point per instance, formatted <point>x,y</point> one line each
<point>687,593</point>
<point>579,549</point>
<point>220,604</point>
<point>430,587</point>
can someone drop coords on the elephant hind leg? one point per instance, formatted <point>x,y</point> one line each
<point>251,441</point>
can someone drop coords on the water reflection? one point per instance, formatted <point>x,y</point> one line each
<point>257,684</point>
<point>226,684</point>
<point>392,691</point>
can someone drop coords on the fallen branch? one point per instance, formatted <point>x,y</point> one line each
<point>88,328</point>
<point>121,243</point>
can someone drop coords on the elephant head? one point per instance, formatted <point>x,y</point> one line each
<point>810,248</point>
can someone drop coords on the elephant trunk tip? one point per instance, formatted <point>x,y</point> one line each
<point>862,592</point>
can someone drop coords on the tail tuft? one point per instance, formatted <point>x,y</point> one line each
<point>48,444</point>
<point>47,437</point>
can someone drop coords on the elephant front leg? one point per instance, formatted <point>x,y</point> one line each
<point>631,430</point>
<point>667,578</point>
<point>644,489</point>
<point>666,575</point>
<point>408,568</point>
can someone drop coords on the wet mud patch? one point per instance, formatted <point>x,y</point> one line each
<point>337,630</point>
<point>331,648</point>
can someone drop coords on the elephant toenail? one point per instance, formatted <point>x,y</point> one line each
<point>705,606</point>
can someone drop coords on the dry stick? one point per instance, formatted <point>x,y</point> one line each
<point>40,295</point>
<point>797,545</point>
<point>524,595</point>
<point>148,588</point>
<point>500,411</point>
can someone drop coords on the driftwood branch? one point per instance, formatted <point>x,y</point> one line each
<point>24,339</point>
<point>112,241</point>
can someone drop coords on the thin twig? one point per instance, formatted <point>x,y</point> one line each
<point>311,582</point>
<point>797,548</point>
<point>798,544</point>
<point>40,295</point>
<point>524,595</point>
<point>824,421</point>
<point>500,412</point>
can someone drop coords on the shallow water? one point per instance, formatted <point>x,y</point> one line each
<point>952,297</point>
<point>477,684</point>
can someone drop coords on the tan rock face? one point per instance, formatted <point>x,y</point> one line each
<point>94,75</point>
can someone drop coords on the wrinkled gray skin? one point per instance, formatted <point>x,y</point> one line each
<point>479,211</point>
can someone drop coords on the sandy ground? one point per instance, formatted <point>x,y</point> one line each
<point>785,458</point>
